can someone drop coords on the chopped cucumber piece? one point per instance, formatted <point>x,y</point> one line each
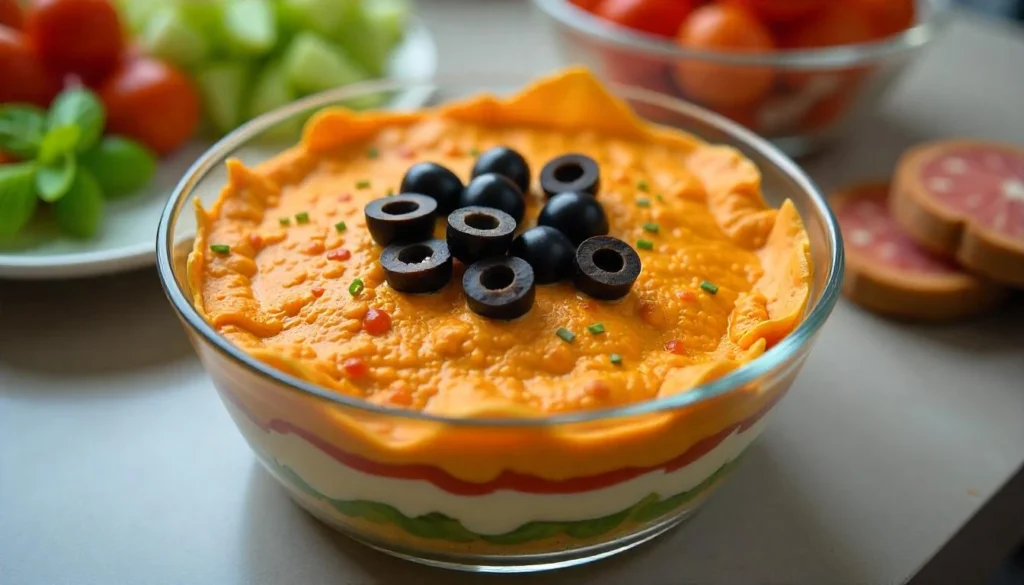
<point>207,17</point>
<point>390,17</point>
<point>313,64</point>
<point>171,36</point>
<point>136,14</point>
<point>223,86</point>
<point>322,16</point>
<point>272,91</point>
<point>250,26</point>
<point>364,40</point>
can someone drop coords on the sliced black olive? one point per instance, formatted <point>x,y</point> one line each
<point>505,162</point>
<point>475,233</point>
<point>419,267</point>
<point>571,172</point>
<point>499,288</point>
<point>606,268</point>
<point>402,218</point>
<point>551,255</point>
<point>435,181</point>
<point>497,191</point>
<point>577,215</point>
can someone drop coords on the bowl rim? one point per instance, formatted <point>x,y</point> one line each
<point>789,347</point>
<point>579,20</point>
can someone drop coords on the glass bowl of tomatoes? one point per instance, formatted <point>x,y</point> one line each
<point>797,72</point>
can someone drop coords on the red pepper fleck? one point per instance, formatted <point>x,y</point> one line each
<point>686,296</point>
<point>256,241</point>
<point>675,346</point>
<point>597,389</point>
<point>405,152</point>
<point>355,367</point>
<point>377,322</point>
<point>317,292</point>
<point>345,197</point>
<point>339,254</point>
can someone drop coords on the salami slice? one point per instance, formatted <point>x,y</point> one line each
<point>888,273</point>
<point>964,199</point>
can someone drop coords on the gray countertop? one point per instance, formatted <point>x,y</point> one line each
<point>118,463</point>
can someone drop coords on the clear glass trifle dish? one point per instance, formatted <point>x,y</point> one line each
<point>802,99</point>
<point>428,438</point>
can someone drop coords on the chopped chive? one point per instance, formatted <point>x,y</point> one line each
<point>643,202</point>
<point>709,287</point>
<point>221,248</point>
<point>616,359</point>
<point>645,244</point>
<point>643,186</point>
<point>302,217</point>
<point>340,226</point>
<point>651,227</point>
<point>356,287</point>
<point>596,328</point>
<point>566,335</point>
<point>363,184</point>
<point>284,220</point>
<point>474,151</point>
<point>390,192</point>
<point>372,152</point>
<point>659,198</point>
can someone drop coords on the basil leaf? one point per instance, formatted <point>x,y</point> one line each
<point>21,130</point>
<point>17,197</point>
<point>79,107</point>
<point>121,166</point>
<point>54,180</point>
<point>79,212</point>
<point>58,142</point>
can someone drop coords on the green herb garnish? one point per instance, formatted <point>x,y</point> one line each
<point>643,186</point>
<point>643,202</point>
<point>356,287</point>
<point>284,220</point>
<point>220,248</point>
<point>645,244</point>
<point>340,226</point>
<point>302,217</point>
<point>709,287</point>
<point>659,198</point>
<point>372,152</point>
<point>596,328</point>
<point>390,192</point>
<point>616,359</point>
<point>651,227</point>
<point>474,151</point>
<point>363,184</point>
<point>566,335</point>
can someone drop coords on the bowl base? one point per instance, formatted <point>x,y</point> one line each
<point>525,563</point>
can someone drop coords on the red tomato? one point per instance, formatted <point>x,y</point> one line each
<point>151,102</point>
<point>355,367</point>
<point>839,24</point>
<point>76,36</point>
<point>6,158</point>
<point>23,77</point>
<point>774,11</point>
<point>658,17</point>
<point>888,17</point>
<point>10,14</point>
<point>724,27</point>
<point>377,322</point>
<point>588,5</point>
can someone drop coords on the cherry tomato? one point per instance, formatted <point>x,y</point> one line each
<point>776,11</point>
<point>377,322</point>
<point>76,36</point>
<point>839,24</point>
<point>724,27</point>
<point>658,17</point>
<point>151,102</point>
<point>888,17</point>
<point>10,14</point>
<point>6,159</point>
<point>23,77</point>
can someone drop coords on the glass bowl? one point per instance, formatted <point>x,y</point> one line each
<point>799,99</point>
<point>324,447</point>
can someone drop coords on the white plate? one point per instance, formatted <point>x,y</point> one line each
<point>127,239</point>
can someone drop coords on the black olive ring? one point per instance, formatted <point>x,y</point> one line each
<point>419,267</point>
<point>571,172</point>
<point>403,218</point>
<point>606,267</point>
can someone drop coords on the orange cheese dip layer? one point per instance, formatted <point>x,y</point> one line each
<point>282,292</point>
